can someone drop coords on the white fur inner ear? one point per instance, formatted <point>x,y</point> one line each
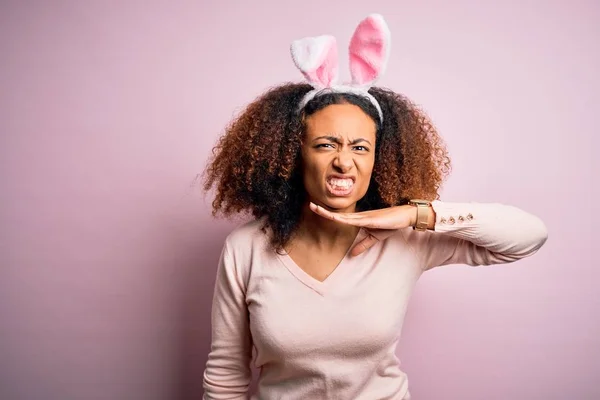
<point>310,53</point>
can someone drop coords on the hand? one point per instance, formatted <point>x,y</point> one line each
<point>379,224</point>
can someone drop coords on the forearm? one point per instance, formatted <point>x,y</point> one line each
<point>478,234</point>
<point>227,374</point>
<point>508,233</point>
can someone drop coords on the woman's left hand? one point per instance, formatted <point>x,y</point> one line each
<point>379,224</point>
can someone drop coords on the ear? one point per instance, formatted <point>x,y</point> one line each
<point>369,50</point>
<point>317,59</point>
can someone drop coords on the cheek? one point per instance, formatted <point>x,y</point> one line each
<point>367,165</point>
<point>313,165</point>
<point>366,171</point>
<point>311,172</point>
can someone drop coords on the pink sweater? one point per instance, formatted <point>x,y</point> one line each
<point>337,339</point>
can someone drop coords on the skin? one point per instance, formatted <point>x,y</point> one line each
<point>341,139</point>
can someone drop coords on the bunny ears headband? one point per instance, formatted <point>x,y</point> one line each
<point>317,59</point>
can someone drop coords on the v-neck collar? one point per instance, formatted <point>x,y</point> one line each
<point>318,286</point>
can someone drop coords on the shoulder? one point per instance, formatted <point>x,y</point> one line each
<point>245,233</point>
<point>242,247</point>
<point>246,239</point>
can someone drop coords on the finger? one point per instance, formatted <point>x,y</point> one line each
<point>363,245</point>
<point>341,217</point>
<point>323,211</point>
<point>347,218</point>
<point>353,221</point>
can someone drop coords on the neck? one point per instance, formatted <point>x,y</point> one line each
<point>323,232</point>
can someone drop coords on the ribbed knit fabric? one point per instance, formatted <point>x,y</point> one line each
<point>337,339</point>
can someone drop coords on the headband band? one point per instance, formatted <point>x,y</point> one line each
<point>317,59</point>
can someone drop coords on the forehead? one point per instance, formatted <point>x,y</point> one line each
<point>345,120</point>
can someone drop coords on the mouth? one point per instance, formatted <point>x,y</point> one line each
<point>339,186</point>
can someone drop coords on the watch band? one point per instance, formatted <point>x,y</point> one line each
<point>423,210</point>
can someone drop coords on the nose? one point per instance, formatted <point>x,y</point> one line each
<point>343,161</point>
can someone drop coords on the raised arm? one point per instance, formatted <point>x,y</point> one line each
<point>477,234</point>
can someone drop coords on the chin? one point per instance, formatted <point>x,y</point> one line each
<point>325,198</point>
<point>338,202</point>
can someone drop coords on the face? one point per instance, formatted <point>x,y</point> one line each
<point>338,155</point>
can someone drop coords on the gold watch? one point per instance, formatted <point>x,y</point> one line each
<point>423,210</point>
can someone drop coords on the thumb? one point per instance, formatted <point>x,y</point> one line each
<point>363,245</point>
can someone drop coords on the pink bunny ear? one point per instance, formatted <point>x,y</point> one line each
<point>369,50</point>
<point>317,59</point>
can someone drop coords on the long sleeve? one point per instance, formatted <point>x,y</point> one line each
<point>227,374</point>
<point>477,234</point>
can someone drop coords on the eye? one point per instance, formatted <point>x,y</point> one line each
<point>361,148</point>
<point>322,144</point>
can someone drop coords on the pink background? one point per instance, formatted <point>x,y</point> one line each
<point>107,247</point>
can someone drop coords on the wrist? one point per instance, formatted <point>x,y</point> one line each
<point>413,215</point>
<point>422,215</point>
<point>431,218</point>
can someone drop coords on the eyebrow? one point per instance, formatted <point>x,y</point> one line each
<point>339,141</point>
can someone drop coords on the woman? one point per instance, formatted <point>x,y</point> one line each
<point>342,182</point>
